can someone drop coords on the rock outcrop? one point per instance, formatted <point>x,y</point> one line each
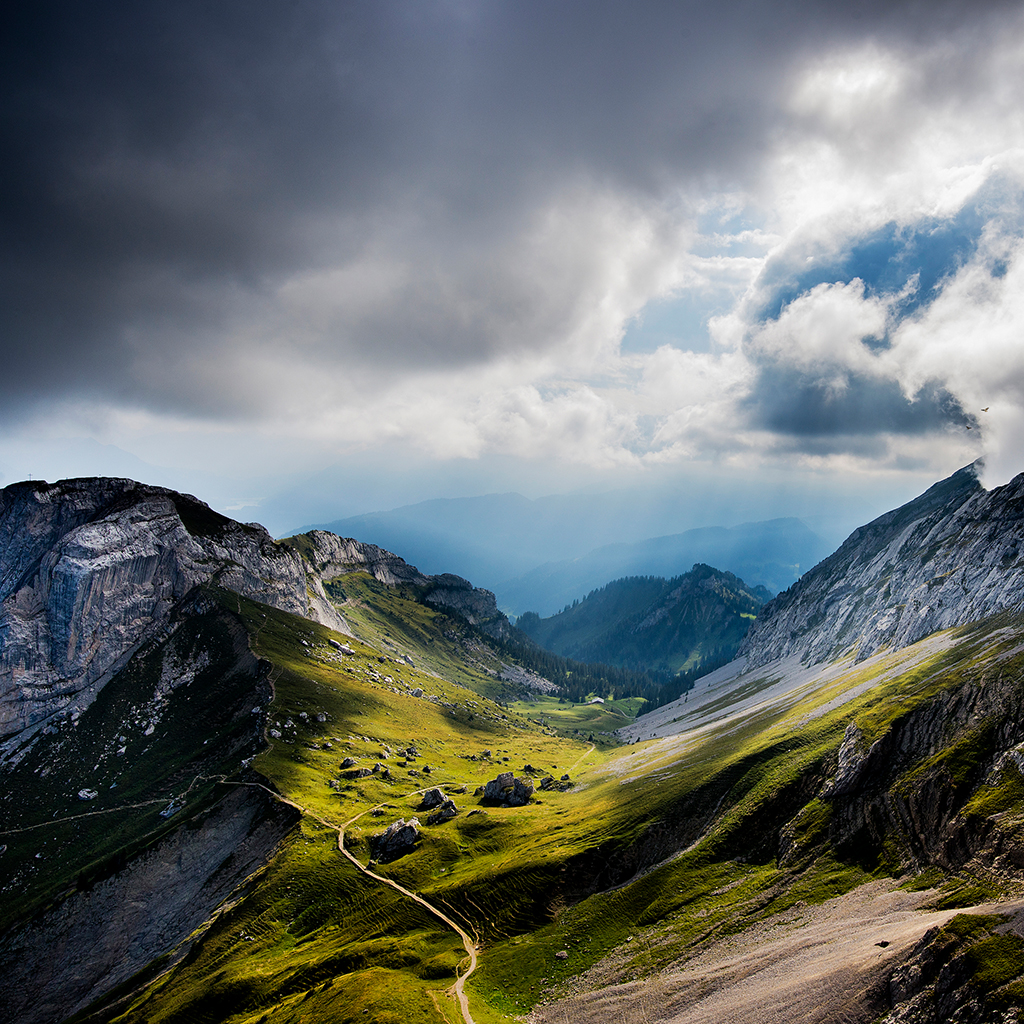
<point>330,557</point>
<point>951,556</point>
<point>445,812</point>
<point>507,790</point>
<point>92,567</point>
<point>398,839</point>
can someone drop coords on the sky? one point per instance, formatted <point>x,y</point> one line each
<point>312,259</point>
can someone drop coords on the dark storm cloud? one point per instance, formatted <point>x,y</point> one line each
<point>168,165</point>
<point>805,406</point>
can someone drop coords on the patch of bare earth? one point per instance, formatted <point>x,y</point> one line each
<point>809,965</point>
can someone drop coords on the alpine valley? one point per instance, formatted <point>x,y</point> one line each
<point>252,781</point>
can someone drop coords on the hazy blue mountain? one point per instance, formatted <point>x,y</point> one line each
<point>771,554</point>
<point>652,623</point>
<point>540,554</point>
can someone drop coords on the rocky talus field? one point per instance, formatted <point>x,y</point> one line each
<point>252,781</point>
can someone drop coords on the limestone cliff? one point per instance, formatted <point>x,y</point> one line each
<point>949,557</point>
<point>91,567</point>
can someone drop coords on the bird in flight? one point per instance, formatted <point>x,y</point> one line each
<point>985,409</point>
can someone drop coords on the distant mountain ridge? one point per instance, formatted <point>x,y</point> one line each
<point>770,554</point>
<point>951,556</point>
<point>652,623</point>
<point>541,554</point>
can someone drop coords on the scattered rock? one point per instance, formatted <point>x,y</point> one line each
<point>87,794</point>
<point>444,813</point>
<point>417,692</point>
<point>349,762</point>
<point>398,839</point>
<point>562,955</point>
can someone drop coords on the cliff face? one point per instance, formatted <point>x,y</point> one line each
<point>949,557</point>
<point>329,557</point>
<point>91,568</point>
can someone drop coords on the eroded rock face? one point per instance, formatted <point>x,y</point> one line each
<point>92,941</point>
<point>952,556</point>
<point>91,567</point>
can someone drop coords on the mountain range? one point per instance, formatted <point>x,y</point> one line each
<point>541,555</point>
<point>254,781</point>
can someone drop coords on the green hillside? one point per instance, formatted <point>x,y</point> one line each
<point>316,941</point>
<point>731,818</point>
<point>647,623</point>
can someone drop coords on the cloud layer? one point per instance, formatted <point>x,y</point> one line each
<point>363,223</point>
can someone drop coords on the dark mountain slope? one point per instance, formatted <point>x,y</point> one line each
<point>653,623</point>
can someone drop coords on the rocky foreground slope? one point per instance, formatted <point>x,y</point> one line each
<point>951,556</point>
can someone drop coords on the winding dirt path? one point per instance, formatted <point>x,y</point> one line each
<point>458,989</point>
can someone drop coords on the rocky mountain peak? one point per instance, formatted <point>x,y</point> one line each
<point>951,556</point>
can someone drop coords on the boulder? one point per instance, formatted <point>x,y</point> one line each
<point>349,762</point>
<point>432,798</point>
<point>444,813</point>
<point>509,791</point>
<point>398,839</point>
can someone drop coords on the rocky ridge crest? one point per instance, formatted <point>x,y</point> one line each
<point>949,557</point>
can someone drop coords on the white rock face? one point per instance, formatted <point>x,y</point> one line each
<point>90,568</point>
<point>952,556</point>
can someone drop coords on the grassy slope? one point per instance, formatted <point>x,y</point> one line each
<point>315,941</point>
